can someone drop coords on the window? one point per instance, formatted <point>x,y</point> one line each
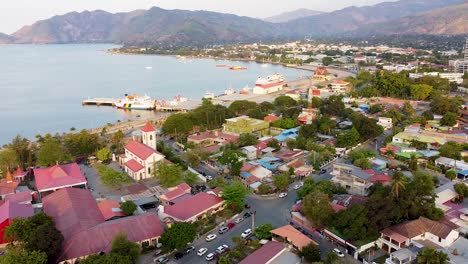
<point>151,137</point>
<point>149,170</point>
<point>440,239</point>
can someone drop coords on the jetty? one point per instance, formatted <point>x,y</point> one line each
<point>100,101</point>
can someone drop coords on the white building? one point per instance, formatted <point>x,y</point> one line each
<point>139,159</point>
<point>385,122</point>
<point>250,152</point>
<point>340,86</point>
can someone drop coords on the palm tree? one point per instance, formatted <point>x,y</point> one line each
<point>429,256</point>
<point>399,183</point>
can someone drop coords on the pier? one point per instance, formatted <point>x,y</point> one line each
<point>100,101</point>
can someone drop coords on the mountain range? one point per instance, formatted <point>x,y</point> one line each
<point>158,26</point>
<point>292,15</point>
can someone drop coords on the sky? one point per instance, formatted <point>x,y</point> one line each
<point>16,13</point>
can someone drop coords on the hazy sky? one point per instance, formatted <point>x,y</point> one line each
<point>17,13</point>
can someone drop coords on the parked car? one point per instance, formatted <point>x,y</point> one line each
<point>202,251</point>
<point>231,225</point>
<point>222,249</point>
<point>189,249</point>
<point>210,256</point>
<point>223,230</point>
<point>246,233</point>
<point>210,237</point>
<point>282,195</point>
<point>161,260</point>
<point>149,206</point>
<point>247,214</point>
<point>301,184</point>
<point>238,220</point>
<point>296,187</point>
<point>179,255</point>
<point>209,177</point>
<point>338,253</point>
<point>323,171</point>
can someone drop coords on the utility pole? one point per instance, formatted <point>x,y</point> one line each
<point>253,220</point>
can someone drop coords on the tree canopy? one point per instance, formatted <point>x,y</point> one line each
<point>178,236</point>
<point>128,207</point>
<point>234,194</point>
<point>317,208</point>
<point>263,231</point>
<point>168,174</point>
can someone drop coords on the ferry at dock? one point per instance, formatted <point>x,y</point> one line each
<point>136,102</point>
<point>270,84</point>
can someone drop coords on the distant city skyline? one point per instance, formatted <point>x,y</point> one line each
<point>18,13</point>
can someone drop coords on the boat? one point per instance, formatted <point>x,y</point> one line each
<point>264,65</point>
<point>221,65</point>
<point>270,84</point>
<point>148,67</point>
<point>209,95</point>
<point>237,68</point>
<point>229,91</point>
<point>135,101</point>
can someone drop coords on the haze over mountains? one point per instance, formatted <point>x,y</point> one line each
<point>292,15</point>
<point>179,27</point>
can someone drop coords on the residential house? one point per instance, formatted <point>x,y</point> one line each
<point>271,252</point>
<point>192,209</point>
<point>254,170</point>
<point>85,229</point>
<point>10,210</point>
<point>451,163</point>
<point>19,174</point>
<point>49,180</point>
<point>212,141</point>
<point>7,185</point>
<point>352,178</point>
<point>321,74</point>
<point>287,134</point>
<point>422,231</point>
<point>250,152</point>
<point>292,236</point>
<point>385,122</point>
<point>245,124</point>
<point>176,192</point>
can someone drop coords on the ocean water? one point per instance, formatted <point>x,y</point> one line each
<point>42,86</point>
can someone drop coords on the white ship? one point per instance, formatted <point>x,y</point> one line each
<point>270,84</point>
<point>136,102</point>
<point>229,91</point>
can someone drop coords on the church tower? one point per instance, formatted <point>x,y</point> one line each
<point>148,135</point>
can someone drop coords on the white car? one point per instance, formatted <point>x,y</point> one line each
<point>210,237</point>
<point>282,195</point>
<point>209,177</point>
<point>210,256</point>
<point>246,233</point>
<point>301,184</point>
<point>238,220</point>
<point>222,249</point>
<point>297,186</point>
<point>202,251</point>
<point>338,253</point>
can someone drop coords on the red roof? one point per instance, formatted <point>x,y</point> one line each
<point>7,187</point>
<point>265,254</point>
<point>19,172</point>
<point>58,176</point>
<point>99,238</point>
<point>134,165</point>
<point>194,206</point>
<point>73,210</point>
<point>382,178</point>
<point>337,208</point>
<point>148,127</point>
<point>252,179</point>
<point>177,191</point>
<point>19,197</point>
<point>271,118</point>
<point>110,209</point>
<point>369,171</point>
<point>10,210</point>
<point>140,150</point>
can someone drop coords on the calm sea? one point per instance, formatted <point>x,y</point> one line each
<point>42,86</point>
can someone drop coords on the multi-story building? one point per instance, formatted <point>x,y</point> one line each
<point>245,124</point>
<point>352,178</point>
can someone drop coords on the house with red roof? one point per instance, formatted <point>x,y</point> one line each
<point>271,118</point>
<point>7,185</point>
<point>271,252</point>
<point>212,141</point>
<point>84,227</point>
<point>19,174</point>
<point>139,158</point>
<point>193,208</point>
<point>174,193</point>
<point>49,180</point>
<point>110,209</point>
<point>10,210</point>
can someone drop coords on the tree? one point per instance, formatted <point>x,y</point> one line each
<point>123,247</point>
<point>281,181</point>
<point>217,182</point>
<point>333,106</point>
<point>117,141</point>
<point>362,163</point>
<point>247,139</point>
<point>16,255</point>
<point>348,139</point>
<point>168,174</point>
<point>331,258</point>
<point>399,182</point>
<point>284,102</point>
<point>428,115</point>
<point>451,174</point>
<point>103,154</point>
<point>462,190</point>
<point>392,84</point>
<point>413,163</point>
<point>234,159</point>
<point>317,209</point>
<point>327,61</point>
<point>110,258</point>
<point>432,256</point>
<point>50,153</point>
<point>263,231</point>
<point>20,145</point>
<point>441,105</point>
<point>191,178</point>
<point>353,223</point>
<point>449,119</point>
<point>111,177</point>
<point>310,253</point>
<point>451,150</point>
<point>420,91</point>
<point>128,207</point>
<point>175,124</point>
<point>82,143</point>
<point>408,110</point>
<point>274,143</point>
<point>178,236</point>
<point>224,260</point>
<point>36,233</point>
<point>8,158</point>
<point>234,194</point>
<point>242,107</point>
<point>264,188</point>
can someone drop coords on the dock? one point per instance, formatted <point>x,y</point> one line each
<point>100,101</point>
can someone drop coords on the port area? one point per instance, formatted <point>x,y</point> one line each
<point>100,101</point>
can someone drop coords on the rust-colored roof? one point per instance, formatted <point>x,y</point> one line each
<point>192,206</point>
<point>176,192</point>
<point>110,209</point>
<point>420,226</point>
<point>265,254</point>
<point>148,127</point>
<point>134,165</point>
<point>140,150</point>
<point>271,118</point>
<point>58,176</point>
<point>294,236</point>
